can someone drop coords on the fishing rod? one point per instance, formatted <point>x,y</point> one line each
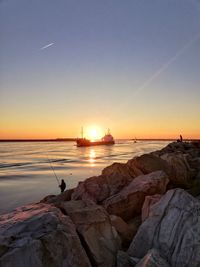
<point>53,171</point>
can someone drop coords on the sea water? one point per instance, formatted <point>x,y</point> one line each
<point>28,170</point>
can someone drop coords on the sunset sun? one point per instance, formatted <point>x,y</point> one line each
<point>94,133</point>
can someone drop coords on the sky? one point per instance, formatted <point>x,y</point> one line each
<point>132,66</point>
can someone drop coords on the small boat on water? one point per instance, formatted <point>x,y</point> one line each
<point>106,140</point>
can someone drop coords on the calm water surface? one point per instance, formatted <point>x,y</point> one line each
<point>26,173</point>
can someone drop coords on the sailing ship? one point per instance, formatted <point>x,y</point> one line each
<point>107,139</point>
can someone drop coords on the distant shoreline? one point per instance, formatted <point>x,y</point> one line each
<point>39,140</point>
<point>74,139</point>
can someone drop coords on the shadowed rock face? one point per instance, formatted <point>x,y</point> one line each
<point>124,230</point>
<point>148,163</point>
<point>173,229</point>
<point>182,172</point>
<point>124,260</point>
<point>152,259</point>
<point>128,202</point>
<point>93,225</point>
<point>184,159</point>
<point>56,200</point>
<point>39,235</point>
<point>149,201</point>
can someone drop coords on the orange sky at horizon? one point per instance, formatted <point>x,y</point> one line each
<point>44,131</point>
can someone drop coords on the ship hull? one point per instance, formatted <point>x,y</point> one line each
<point>85,142</point>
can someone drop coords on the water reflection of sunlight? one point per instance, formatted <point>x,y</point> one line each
<point>92,157</point>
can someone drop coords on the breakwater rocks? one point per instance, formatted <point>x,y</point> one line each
<point>142,213</point>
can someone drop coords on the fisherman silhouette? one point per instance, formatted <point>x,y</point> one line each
<point>181,139</point>
<point>62,186</point>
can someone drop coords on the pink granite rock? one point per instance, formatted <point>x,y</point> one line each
<point>39,235</point>
<point>173,229</point>
<point>149,201</point>
<point>128,202</point>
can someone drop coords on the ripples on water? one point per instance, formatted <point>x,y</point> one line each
<point>26,174</point>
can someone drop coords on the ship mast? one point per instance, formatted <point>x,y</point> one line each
<point>82,132</point>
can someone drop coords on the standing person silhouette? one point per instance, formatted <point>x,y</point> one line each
<point>62,186</point>
<point>181,138</point>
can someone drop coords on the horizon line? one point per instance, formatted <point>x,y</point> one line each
<point>74,139</point>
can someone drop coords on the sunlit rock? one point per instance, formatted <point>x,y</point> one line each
<point>128,202</point>
<point>39,235</point>
<point>112,180</point>
<point>94,189</point>
<point>173,228</point>
<point>119,175</point>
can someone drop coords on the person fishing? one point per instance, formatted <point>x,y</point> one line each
<point>181,139</point>
<point>62,186</point>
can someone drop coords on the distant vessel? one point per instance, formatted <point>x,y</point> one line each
<point>106,140</point>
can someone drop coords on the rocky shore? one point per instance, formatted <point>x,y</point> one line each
<point>144,213</point>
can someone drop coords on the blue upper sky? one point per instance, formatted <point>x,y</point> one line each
<point>111,62</point>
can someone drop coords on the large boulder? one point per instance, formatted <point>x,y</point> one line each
<point>128,202</point>
<point>94,227</point>
<point>183,174</point>
<point>39,235</point>
<point>173,228</point>
<point>191,148</point>
<point>93,189</point>
<point>148,163</point>
<point>119,175</point>
<point>184,159</point>
<point>110,182</point>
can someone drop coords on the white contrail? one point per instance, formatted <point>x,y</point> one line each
<point>168,63</point>
<point>46,46</point>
